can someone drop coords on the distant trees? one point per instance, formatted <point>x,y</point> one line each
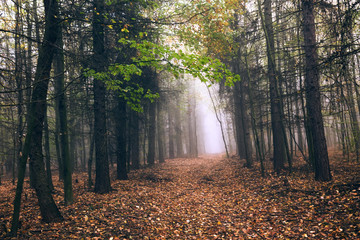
<point>278,67</point>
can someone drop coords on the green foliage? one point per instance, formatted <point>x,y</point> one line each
<point>207,69</point>
<point>119,76</point>
<point>132,92</point>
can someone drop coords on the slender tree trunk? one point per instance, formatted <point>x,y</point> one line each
<point>253,120</point>
<point>312,85</point>
<point>62,118</point>
<point>121,140</point>
<point>57,146</point>
<point>220,122</point>
<point>193,149</point>
<point>19,86</point>
<point>83,144</point>
<point>240,144</point>
<point>135,141</point>
<point>152,133</point>
<point>279,148</point>
<point>171,130</point>
<point>178,129</point>
<point>47,154</point>
<point>91,157</point>
<point>346,77</point>
<point>160,132</point>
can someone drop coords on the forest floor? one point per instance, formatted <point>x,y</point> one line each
<point>209,197</point>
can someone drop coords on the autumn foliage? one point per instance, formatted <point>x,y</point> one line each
<point>202,198</point>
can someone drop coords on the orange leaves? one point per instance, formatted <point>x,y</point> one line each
<point>202,198</point>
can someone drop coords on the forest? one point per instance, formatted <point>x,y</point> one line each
<point>193,119</point>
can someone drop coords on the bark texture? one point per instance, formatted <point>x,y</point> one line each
<point>312,94</point>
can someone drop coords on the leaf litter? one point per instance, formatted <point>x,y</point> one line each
<point>210,197</point>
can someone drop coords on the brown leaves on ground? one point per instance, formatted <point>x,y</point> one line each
<point>202,198</point>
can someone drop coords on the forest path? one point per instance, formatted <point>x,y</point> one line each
<point>193,197</point>
<point>210,197</point>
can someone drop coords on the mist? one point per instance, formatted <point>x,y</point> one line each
<point>209,126</point>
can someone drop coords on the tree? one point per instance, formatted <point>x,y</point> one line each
<point>279,151</point>
<point>102,180</point>
<point>61,118</point>
<point>32,149</point>
<point>312,93</point>
<point>121,140</point>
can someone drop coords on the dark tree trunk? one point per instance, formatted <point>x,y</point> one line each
<point>171,130</point>
<point>178,130</point>
<point>58,151</point>
<point>62,118</point>
<point>19,85</point>
<point>102,180</point>
<point>240,145</point>
<point>279,148</point>
<point>47,154</point>
<point>90,160</point>
<point>121,140</point>
<point>135,140</point>
<point>193,152</point>
<point>160,132</point>
<point>32,146</point>
<point>152,132</point>
<point>240,112</point>
<point>313,101</point>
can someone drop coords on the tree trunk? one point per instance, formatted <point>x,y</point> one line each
<point>160,132</point>
<point>346,76</point>
<point>47,154</point>
<point>313,101</point>
<point>279,148</point>
<point>91,157</point>
<point>242,125</point>
<point>135,140</point>
<point>121,140</point>
<point>253,120</point>
<point>19,85</point>
<point>219,121</point>
<point>57,146</point>
<point>171,130</point>
<point>240,145</point>
<point>32,148</point>
<point>152,132</point>
<point>192,125</point>
<point>62,118</point>
<point>102,179</point>
<point>178,129</point>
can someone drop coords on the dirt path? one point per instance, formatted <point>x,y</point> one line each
<point>204,198</point>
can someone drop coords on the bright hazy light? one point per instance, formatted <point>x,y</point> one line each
<point>210,127</point>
